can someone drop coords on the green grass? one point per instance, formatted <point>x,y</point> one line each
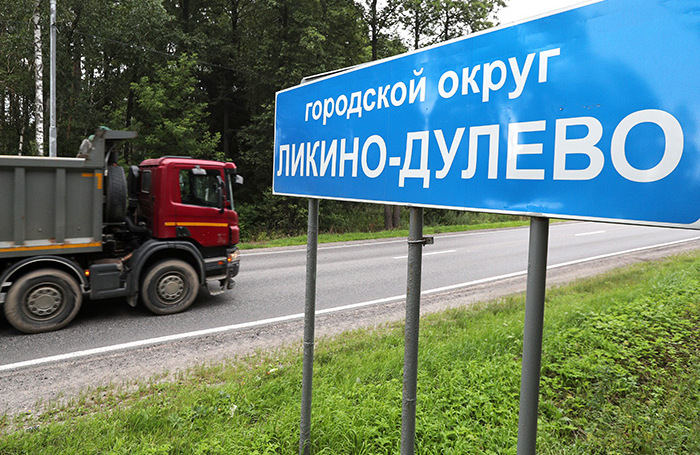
<point>350,236</point>
<point>620,375</point>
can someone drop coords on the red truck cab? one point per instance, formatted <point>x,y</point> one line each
<point>188,198</point>
<point>191,200</point>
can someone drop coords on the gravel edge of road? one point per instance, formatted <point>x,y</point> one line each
<point>38,388</point>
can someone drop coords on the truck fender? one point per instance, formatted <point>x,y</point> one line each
<point>183,250</point>
<point>35,262</point>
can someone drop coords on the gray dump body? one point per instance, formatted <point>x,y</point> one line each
<point>54,205</point>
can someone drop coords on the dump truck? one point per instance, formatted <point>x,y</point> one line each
<point>85,228</point>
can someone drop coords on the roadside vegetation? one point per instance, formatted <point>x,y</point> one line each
<point>347,221</point>
<point>620,375</point>
<point>200,78</point>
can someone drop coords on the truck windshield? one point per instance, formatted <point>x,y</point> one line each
<point>199,189</point>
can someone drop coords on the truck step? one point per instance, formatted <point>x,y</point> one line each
<point>214,288</point>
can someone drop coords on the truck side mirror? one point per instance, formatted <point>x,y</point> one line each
<point>238,179</point>
<point>220,193</point>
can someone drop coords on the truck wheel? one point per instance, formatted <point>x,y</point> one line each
<point>169,287</point>
<point>42,301</point>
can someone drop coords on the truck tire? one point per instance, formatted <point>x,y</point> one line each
<point>169,287</point>
<point>42,301</point>
<point>115,195</point>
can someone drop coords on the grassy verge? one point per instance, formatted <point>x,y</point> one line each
<point>350,236</point>
<point>621,375</point>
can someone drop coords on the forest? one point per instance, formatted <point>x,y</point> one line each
<point>199,77</point>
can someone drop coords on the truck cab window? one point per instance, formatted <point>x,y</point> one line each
<point>146,182</point>
<point>200,190</point>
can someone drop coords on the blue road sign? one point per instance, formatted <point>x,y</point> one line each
<point>590,113</point>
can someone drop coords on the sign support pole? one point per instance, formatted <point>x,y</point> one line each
<point>410,362</point>
<point>309,327</point>
<point>532,338</point>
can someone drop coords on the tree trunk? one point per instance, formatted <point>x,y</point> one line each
<point>3,121</point>
<point>388,218</point>
<point>446,36</point>
<point>416,29</point>
<point>397,217</point>
<point>38,81</point>
<point>392,217</point>
<point>226,128</point>
<point>23,116</point>
<point>373,29</point>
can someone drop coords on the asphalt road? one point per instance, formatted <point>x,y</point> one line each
<point>270,286</point>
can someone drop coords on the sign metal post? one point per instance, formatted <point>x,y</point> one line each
<point>309,327</point>
<point>532,338</point>
<point>410,360</point>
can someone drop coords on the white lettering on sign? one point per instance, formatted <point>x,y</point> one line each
<point>469,80</point>
<point>311,169</point>
<point>448,155</point>
<point>422,172</point>
<point>493,132</point>
<point>580,158</point>
<point>454,84</point>
<point>328,159</point>
<point>488,85</point>
<point>520,75</point>
<point>297,155</point>
<point>381,146</point>
<point>586,145</point>
<point>349,156</point>
<point>355,104</point>
<point>484,79</point>
<point>516,149</point>
<point>672,153</point>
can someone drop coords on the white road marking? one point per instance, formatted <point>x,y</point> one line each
<point>582,234</point>
<point>297,316</point>
<point>432,253</point>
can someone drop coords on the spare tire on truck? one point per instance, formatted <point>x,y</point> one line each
<point>115,194</point>
<point>42,301</point>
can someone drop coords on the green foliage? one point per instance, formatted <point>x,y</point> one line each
<point>100,53</point>
<point>433,21</point>
<point>169,116</point>
<point>199,77</point>
<point>16,76</point>
<point>621,375</point>
<point>276,217</point>
<point>266,242</point>
<point>625,375</point>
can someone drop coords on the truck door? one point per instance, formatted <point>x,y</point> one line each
<point>200,213</point>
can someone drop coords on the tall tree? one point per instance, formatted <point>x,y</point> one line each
<point>456,18</point>
<point>38,79</point>
<point>433,21</point>
<point>169,115</point>
<point>102,53</point>
<point>380,18</point>
<point>419,18</point>
<point>287,40</point>
<point>17,89</point>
